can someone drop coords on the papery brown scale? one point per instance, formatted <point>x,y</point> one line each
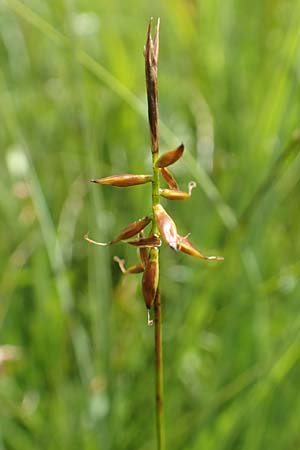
<point>124,180</point>
<point>132,229</point>
<point>129,231</point>
<point>175,194</point>
<point>143,254</point>
<point>171,182</point>
<point>172,194</point>
<point>150,241</point>
<point>166,226</point>
<point>185,246</point>
<point>170,157</point>
<point>150,278</point>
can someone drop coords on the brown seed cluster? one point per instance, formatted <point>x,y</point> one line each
<point>149,246</point>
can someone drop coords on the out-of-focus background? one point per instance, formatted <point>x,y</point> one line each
<point>76,356</point>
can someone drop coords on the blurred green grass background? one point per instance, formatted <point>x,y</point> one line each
<point>79,357</point>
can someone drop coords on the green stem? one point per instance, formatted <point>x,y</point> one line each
<point>158,327</point>
<point>160,429</point>
<point>155,189</point>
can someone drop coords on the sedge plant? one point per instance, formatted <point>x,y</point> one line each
<point>162,227</point>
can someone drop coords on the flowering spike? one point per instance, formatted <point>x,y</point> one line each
<point>166,226</point>
<point>124,180</point>
<point>185,246</point>
<point>150,241</point>
<point>170,157</point>
<point>174,194</point>
<point>150,278</point>
<point>137,268</point>
<point>171,182</point>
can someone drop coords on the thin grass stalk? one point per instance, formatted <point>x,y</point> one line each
<point>160,428</point>
<point>151,59</point>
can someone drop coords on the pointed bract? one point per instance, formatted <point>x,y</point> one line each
<point>170,157</point>
<point>150,241</point>
<point>129,231</point>
<point>150,278</point>
<point>132,229</point>
<point>185,246</point>
<point>166,226</point>
<point>143,255</point>
<point>171,182</point>
<point>124,180</point>
<point>174,194</point>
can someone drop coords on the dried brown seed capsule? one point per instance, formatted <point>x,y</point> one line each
<point>150,278</point>
<point>170,157</point>
<point>129,231</point>
<point>185,246</point>
<point>166,226</point>
<point>124,180</point>
<point>132,229</point>
<point>174,194</point>
<point>150,241</point>
<point>137,268</point>
<point>171,182</point>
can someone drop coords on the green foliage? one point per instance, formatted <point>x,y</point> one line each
<point>73,107</point>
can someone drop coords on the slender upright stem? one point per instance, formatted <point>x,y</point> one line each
<point>151,59</point>
<point>159,374</point>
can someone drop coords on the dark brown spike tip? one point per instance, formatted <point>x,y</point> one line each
<point>152,45</point>
<point>151,61</point>
<point>156,39</point>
